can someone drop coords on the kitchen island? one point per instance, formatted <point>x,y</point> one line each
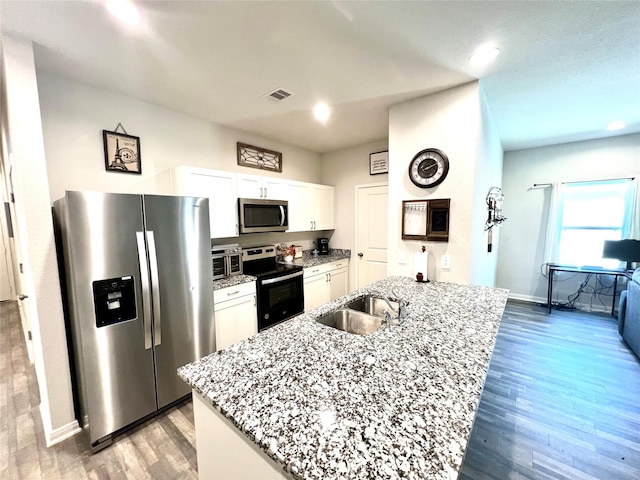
<point>313,402</point>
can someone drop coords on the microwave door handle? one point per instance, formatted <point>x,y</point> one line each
<point>146,293</point>
<point>155,289</point>
<point>282,216</point>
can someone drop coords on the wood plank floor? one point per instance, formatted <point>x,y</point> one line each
<point>561,401</point>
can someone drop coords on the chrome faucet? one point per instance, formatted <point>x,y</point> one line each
<point>401,312</point>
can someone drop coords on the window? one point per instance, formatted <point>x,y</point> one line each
<point>591,212</point>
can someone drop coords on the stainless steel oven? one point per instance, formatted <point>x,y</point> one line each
<point>226,260</point>
<point>280,287</point>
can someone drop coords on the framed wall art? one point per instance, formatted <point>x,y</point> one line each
<point>379,163</point>
<point>121,152</point>
<point>257,157</point>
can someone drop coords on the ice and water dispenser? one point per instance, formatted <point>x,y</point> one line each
<point>114,300</point>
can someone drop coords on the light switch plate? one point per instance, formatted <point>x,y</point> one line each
<point>402,258</point>
<point>446,261</point>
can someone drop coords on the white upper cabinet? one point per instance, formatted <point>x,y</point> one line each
<point>311,207</point>
<point>220,187</point>
<point>255,186</point>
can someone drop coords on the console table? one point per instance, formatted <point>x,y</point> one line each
<point>592,270</point>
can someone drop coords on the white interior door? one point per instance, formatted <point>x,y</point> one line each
<point>6,259</point>
<point>19,249</point>
<point>371,233</point>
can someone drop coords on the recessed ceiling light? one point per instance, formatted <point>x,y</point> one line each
<point>484,55</point>
<point>618,125</point>
<point>124,10</point>
<point>322,112</point>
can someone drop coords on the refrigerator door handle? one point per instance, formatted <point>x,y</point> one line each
<point>155,289</point>
<point>146,293</point>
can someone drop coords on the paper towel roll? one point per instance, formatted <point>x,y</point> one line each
<point>420,264</point>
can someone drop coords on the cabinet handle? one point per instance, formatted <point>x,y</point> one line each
<point>314,271</point>
<point>236,229</point>
<point>329,276</point>
<point>233,293</point>
<point>254,301</point>
<point>265,192</point>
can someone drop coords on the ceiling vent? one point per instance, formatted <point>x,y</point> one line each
<point>277,95</point>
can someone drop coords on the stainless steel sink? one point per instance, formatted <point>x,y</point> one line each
<point>373,306</point>
<point>351,321</point>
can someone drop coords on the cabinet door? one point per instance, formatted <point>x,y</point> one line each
<point>220,187</point>
<point>255,186</point>
<point>250,186</point>
<point>323,202</point>
<point>338,283</point>
<point>300,207</point>
<point>315,291</point>
<point>235,320</point>
<point>275,189</point>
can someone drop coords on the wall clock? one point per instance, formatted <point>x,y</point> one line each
<point>429,168</point>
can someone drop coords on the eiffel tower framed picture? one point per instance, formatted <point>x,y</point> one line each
<point>121,153</point>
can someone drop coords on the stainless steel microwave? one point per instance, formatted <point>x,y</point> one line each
<point>263,215</point>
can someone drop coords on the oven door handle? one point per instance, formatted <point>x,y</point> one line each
<point>282,279</point>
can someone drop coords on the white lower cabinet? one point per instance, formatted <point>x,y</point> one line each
<point>235,314</point>
<point>325,283</point>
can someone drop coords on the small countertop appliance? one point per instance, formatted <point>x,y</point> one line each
<point>323,246</point>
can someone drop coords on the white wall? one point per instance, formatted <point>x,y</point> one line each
<point>522,237</point>
<point>488,174</point>
<point>74,115</point>
<point>34,228</point>
<point>453,121</point>
<point>344,169</point>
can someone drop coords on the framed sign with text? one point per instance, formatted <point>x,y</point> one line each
<point>379,163</point>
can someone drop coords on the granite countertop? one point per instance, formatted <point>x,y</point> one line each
<point>309,260</point>
<point>232,281</point>
<point>396,403</point>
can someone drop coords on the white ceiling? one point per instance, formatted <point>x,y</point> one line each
<point>566,69</point>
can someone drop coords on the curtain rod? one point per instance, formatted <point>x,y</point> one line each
<point>584,181</point>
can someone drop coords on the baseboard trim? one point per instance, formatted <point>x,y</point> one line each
<point>585,307</point>
<point>527,298</point>
<point>60,434</point>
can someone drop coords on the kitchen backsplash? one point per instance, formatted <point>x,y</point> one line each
<point>306,239</point>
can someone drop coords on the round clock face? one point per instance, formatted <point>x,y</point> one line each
<point>429,168</point>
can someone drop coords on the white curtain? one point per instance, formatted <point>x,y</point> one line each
<point>554,224</point>
<point>631,225</point>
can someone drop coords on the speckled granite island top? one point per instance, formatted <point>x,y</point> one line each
<point>396,403</point>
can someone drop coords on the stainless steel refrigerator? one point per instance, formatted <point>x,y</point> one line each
<point>139,301</point>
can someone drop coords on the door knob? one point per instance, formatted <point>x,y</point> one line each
<point>22,296</point>
<point>360,254</point>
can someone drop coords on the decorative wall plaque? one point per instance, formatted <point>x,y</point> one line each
<point>257,157</point>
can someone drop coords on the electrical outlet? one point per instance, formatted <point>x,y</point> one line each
<point>402,258</point>
<point>445,261</point>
